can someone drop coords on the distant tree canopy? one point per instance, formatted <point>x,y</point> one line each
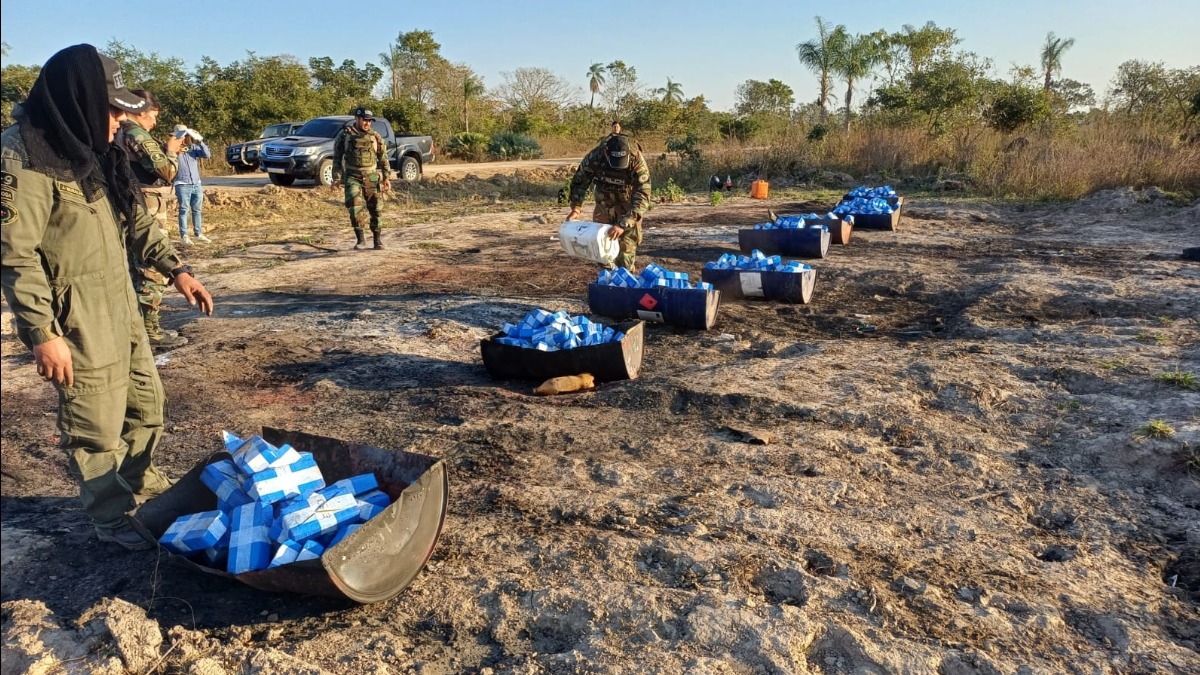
<point>912,77</point>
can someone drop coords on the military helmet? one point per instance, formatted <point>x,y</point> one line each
<point>616,152</point>
<point>364,113</point>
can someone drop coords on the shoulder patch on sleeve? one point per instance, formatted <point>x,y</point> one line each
<point>8,214</point>
<point>9,180</point>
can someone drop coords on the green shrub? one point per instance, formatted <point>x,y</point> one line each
<point>715,197</point>
<point>508,145</point>
<point>468,145</point>
<point>669,192</point>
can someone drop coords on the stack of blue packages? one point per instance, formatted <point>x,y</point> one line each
<point>864,192</point>
<point>757,262</point>
<point>273,508</point>
<point>863,206</point>
<point>800,222</point>
<point>548,332</point>
<point>652,275</point>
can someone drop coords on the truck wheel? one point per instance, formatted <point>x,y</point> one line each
<point>325,172</point>
<point>410,170</point>
<point>282,180</point>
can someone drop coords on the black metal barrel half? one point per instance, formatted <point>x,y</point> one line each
<point>781,286</point>
<point>606,362</point>
<point>808,242</point>
<point>374,563</point>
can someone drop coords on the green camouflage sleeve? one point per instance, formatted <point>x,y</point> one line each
<point>583,178</point>
<point>641,184</point>
<point>339,154</point>
<point>385,168</point>
<point>146,151</point>
<point>150,245</point>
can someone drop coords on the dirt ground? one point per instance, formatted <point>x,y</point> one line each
<point>960,476</point>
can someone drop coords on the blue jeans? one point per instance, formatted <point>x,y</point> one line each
<point>191,200</point>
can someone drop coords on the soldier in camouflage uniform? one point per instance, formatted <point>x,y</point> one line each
<point>154,166</point>
<point>622,180</point>
<point>360,161</point>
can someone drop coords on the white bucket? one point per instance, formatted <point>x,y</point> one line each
<point>590,241</point>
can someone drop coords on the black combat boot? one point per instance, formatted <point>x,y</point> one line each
<point>378,242</point>
<point>362,242</point>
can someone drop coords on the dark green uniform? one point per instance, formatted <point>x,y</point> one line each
<point>153,166</point>
<point>65,273</point>
<point>360,161</point>
<point>621,195</point>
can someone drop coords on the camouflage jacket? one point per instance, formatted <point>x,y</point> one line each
<point>151,163</point>
<point>595,169</point>
<point>359,152</point>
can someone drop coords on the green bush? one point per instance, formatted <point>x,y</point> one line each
<point>468,145</point>
<point>715,198</point>
<point>669,192</point>
<point>514,146</point>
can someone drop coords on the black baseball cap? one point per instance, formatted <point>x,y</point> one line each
<point>364,113</point>
<point>118,95</point>
<point>616,151</point>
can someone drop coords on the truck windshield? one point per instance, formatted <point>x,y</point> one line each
<point>321,128</point>
<point>276,130</point>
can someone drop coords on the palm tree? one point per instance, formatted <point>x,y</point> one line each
<point>391,60</point>
<point>1052,53</point>
<point>819,55</point>
<point>472,88</point>
<point>859,56</point>
<point>595,81</point>
<point>672,93</point>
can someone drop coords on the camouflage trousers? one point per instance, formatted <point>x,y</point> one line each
<point>362,200</point>
<point>611,207</point>
<point>149,284</point>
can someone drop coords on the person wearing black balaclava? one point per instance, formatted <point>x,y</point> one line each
<point>69,207</point>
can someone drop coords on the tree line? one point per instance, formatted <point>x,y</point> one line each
<point>916,77</point>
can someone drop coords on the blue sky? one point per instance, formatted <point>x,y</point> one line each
<point>709,47</point>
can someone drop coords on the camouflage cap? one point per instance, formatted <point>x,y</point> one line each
<point>616,152</point>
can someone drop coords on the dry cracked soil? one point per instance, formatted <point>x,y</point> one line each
<point>981,457</point>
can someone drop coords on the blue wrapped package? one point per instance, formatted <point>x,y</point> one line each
<point>255,455</point>
<point>287,455</point>
<point>195,532</point>
<point>371,504</point>
<point>282,482</point>
<point>286,553</point>
<point>324,518</point>
<point>342,532</point>
<point>356,485</point>
<point>231,442</point>
<point>213,556</point>
<point>310,551</point>
<point>226,482</point>
<point>249,541</point>
<point>297,510</point>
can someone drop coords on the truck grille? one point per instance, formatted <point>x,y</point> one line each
<point>276,152</point>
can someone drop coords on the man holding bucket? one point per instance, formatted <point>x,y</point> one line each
<point>618,170</point>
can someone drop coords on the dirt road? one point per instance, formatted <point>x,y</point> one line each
<point>481,169</point>
<point>981,459</point>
